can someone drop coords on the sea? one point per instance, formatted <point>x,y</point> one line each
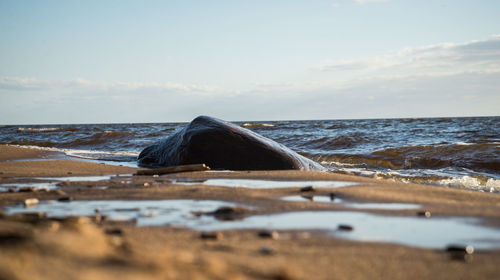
<point>459,153</point>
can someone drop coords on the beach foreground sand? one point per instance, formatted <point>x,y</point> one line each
<point>33,246</point>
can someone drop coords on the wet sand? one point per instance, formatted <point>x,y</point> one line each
<point>34,246</point>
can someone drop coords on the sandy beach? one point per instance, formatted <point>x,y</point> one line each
<point>34,246</point>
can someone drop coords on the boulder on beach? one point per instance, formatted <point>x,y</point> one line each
<point>222,145</point>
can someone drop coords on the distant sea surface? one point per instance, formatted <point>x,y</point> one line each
<point>447,152</point>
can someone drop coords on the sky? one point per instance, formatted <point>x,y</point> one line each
<point>168,61</point>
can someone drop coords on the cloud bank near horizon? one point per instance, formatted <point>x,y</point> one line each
<point>437,80</point>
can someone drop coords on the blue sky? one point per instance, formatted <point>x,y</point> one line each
<point>164,61</point>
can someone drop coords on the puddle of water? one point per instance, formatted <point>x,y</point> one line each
<point>17,186</point>
<point>360,205</point>
<point>413,231</point>
<point>421,232</point>
<point>77,178</point>
<point>147,212</point>
<point>260,184</point>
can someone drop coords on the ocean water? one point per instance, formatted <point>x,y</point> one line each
<point>447,152</point>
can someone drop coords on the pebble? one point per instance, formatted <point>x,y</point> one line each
<point>307,189</point>
<point>345,227</point>
<point>65,199</point>
<point>70,172</point>
<point>426,214</point>
<point>267,250</point>
<point>27,189</point>
<point>332,196</point>
<point>211,235</point>
<point>460,249</point>
<point>461,253</point>
<point>30,202</point>
<point>147,184</point>
<point>11,190</point>
<point>268,234</point>
<point>114,231</point>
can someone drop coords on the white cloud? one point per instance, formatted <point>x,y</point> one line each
<point>369,1</point>
<point>482,55</point>
<point>79,84</point>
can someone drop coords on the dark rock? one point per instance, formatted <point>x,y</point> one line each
<point>222,145</point>
<point>114,231</point>
<point>227,213</point>
<point>211,235</point>
<point>65,199</point>
<point>307,189</point>
<point>264,250</point>
<point>460,253</point>
<point>425,214</point>
<point>345,227</point>
<point>268,234</point>
<point>332,196</point>
<point>27,189</point>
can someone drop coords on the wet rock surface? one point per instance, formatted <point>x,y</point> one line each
<point>223,145</point>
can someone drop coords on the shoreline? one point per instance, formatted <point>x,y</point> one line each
<point>30,243</point>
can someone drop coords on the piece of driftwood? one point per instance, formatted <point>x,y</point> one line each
<point>173,169</point>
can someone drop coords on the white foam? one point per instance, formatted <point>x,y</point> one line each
<point>36,129</point>
<point>471,183</point>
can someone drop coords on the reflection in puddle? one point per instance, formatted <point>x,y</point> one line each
<point>414,231</point>
<point>259,184</point>
<point>360,205</point>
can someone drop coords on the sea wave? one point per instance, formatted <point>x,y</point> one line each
<point>475,156</point>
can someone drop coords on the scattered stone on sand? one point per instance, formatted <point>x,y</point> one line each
<point>114,231</point>
<point>332,196</point>
<point>268,234</point>
<point>27,189</point>
<point>308,197</point>
<point>344,227</point>
<point>307,189</point>
<point>173,169</point>
<point>265,250</point>
<point>460,253</point>
<point>228,213</point>
<point>11,190</point>
<point>213,235</point>
<point>28,202</point>
<point>65,199</point>
<point>223,145</point>
<point>425,214</point>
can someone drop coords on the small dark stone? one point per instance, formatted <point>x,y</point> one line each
<point>11,190</point>
<point>114,231</point>
<point>307,189</point>
<point>345,227</point>
<point>65,199</point>
<point>332,196</point>
<point>267,250</point>
<point>426,214</point>
<point>268,234</point>
<point>229,213</point>
<point>460,249</point>
<point>214,235</point>
<point>70,172</point>
<point>27,189</point>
